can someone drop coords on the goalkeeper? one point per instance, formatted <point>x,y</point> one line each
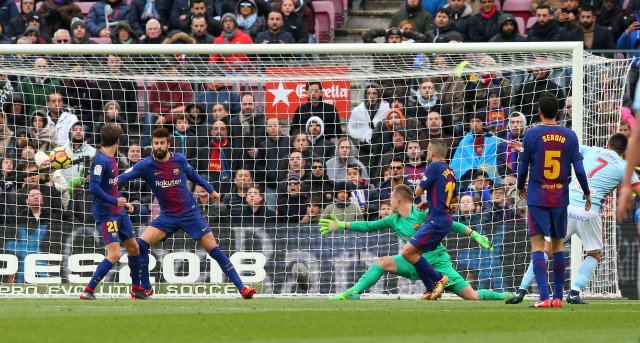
<point>406,218</point>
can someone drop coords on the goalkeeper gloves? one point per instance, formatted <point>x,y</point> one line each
<point>330,225</point>
<point>482,240</point>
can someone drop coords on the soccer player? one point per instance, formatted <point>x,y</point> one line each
<point>605,169</point>
<point>549,149</point>
<point>108,209</point>
<point>440,184</point>
<point>633,160</point>
<point>404,220</point>
<point>167,174</point>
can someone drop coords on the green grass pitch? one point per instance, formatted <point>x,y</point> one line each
<point>313,320</point>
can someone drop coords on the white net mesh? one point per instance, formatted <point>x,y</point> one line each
<point>277,122</point>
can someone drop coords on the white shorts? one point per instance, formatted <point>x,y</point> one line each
<point>587,225</point>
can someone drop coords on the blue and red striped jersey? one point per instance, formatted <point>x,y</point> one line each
<point>439,182</point>
<point>103,185</point>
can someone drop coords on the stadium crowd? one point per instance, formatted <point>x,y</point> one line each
<point>295,171</point>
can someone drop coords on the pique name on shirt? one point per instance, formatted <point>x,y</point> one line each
<point>556,138</point>
<point>168,183</point>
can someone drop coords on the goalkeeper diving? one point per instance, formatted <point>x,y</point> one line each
<point>406,218</point>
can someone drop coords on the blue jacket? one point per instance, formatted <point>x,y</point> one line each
<point>466,158</point>
<point>631,41</point>
<point>96,21</point>
<point>8,11</point>
<point>432,6</point>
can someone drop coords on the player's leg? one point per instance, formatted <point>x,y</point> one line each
<point>126,233</point>
<point>370,278</point>
<point>113,255</point>
<point>590,232</point>
<point>150,236</point>
<point>425,239</point>
<point>539,227</point>
<point>529,276</point>
<point>208,242</point>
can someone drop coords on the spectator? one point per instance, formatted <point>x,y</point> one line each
<point>294,24</point>
<point>509,31</point>
<point>292,203</point>
<point>7,142</point>
<point>21,142</point>
<point>254,211</point>
<point>248,132</point>
<point>319,183</point>
<point>166,100</point>
<point>415,163</point>
<point>198,125</point>
<point>385,209</point>
<point>106,12</point>
<point>517,128</point>
<point>242,181</point>
<point>153,33</point>
<point>317,141</point>
<point>541,82</point>
<point>314,211</point>
<point>396,177</point>
<point>467,211</point>
<point>28,152</point>
<point>497,116</point>
<point>79,32</point>
<point>214,213</point>
<point>199,30</point>
<point>110,114</point>
<point>610,16</point>
<point>553,5</point>
<point>43,135</point>
<point>124,34</point>
<point>480,187</point>
<point>183,11</point>
<point>120,90</point>
<point>625,128</point>
<point>8,11</point>
<point>215,162</point>
<point>301,143</point>
<point>141,11</point>
<point>231,35</point>
<point>183,141</point>
<point>248,19</point>
<point>15,110</point>
<point>294,164</point>
<point>60,117</point>
<point>594,36</point>
<point>444,30</point>
<point>427,99</point>
<point>36,20</point>
<point>460,14</point>
<point>336,167</point>
<point>342,207</point>
<point>546,29</point>
<point>485,24</point>
<point>368,115</point>
<point>82,153</point>
<point>276,147</point>
<point>229,6</point>
<point>499,209</point>
<point>397,87</point>
<point>274,33</point>
<point>452,89</point>
<point>385,153</point>
<point>568,15</point>
<point>221,112</point>
<point>477,150</point>
<point>52,199</point>
<point>413,11</point>
<point>316,106</point>
<point>61,36</point>
<point>17,25</point>
<point>221,94</point>
<point>81,95</point>
<point>4,39</point>
<point>409,32</point>
<point>59,13</point>
<point>360,194</point>
<point>8,188</point>
<point>33,33</point>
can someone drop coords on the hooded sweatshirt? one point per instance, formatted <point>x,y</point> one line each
<point>77,170</point>
<point>364,119</point>
<point>44,138</point>
<point>514,36</point>
<point>337,168</point>
<point>318,143</point>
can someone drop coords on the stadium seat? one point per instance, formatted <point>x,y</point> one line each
<point>325,20</point>
<point>341,7</point>
<point>530,22</point>
<point>101,40</point>
<point>85,7</point>
<point>521,25</point>
<point>519,8</point>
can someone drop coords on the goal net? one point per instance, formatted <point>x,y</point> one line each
<point>287,135</point>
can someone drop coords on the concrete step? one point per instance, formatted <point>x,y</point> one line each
<point>369,19</point>
<point>386,5</point>
<point>348,35</point>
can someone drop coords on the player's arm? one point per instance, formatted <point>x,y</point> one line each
<point>132,173</point>
<point>523,169</point>
<point>464,230</point>
<point>333,224</point>
<point>94,186</point>
<point>633,159</point>
<point>196,178</point>
<point>425,183</point>
<point>578,167</point>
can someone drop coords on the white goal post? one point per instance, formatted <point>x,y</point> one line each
<point>281,254</point>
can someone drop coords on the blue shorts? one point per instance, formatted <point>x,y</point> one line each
<point>192,223</point>
<point>429,235</point>
<point>548,221</point>
<point>116,229</point>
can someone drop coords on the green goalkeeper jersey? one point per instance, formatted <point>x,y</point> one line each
<point>404,227</point>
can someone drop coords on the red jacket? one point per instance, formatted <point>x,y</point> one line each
<point>164,96</point>
<point>230,60</point>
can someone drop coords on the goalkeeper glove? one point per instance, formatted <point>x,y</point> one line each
<point>482,240</point>
<point>330,225</point>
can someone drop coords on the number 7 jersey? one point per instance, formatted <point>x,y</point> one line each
<point>439,182</point>
<point>549,152</point>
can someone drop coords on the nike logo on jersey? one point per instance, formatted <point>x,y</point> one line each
<point>157,173</point>
<point>205,229</point>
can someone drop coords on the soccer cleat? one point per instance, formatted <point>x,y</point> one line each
<point>426,296</point>
<point>139,294</point>
<point>516,298</point>
<point>149,292</point>
<point>542,303</point>
<point>575,298</point>
<point>438,287</point>
<point>86,295</point>
<point>349,294</point>
<point>247,293</point>
<point>556,303</point>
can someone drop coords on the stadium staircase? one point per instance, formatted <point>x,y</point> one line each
<point>374,14</point>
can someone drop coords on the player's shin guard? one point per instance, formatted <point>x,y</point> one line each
<point>102,270</point>
<point>585,272</point>
<point>540,271</point>
<point>559,265</point>
<point>368,279</point>
<point>144,263</point>
<point>227,267</point>
<point>529,276</point>
<point>427,274</point>
<point>134,267</point>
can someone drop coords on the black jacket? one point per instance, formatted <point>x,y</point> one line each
<point>325,111</point>
<point>481,29</point>
<point>552,32</point>
<point>602,38</point>
<point>444,35</point>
